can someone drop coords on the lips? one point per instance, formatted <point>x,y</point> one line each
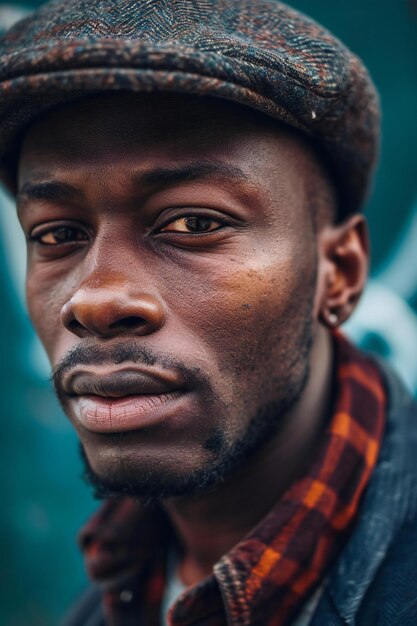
<point>106,401</point>
<point>117,384</point>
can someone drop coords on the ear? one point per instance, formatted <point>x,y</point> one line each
<point>343,262</point>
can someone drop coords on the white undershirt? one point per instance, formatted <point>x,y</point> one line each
<point>173,587</point>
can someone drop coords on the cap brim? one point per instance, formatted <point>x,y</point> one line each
<point>69,72</point>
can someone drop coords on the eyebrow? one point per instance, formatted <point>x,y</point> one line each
<point>167,177</point>
<point>49,191</point>
<point>155,179</point>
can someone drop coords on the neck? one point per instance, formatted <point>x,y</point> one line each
<point>210,524</point>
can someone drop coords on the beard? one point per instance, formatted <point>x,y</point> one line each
<point>150,485</point>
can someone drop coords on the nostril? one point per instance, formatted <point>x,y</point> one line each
<point>75,326</point>
<point>128,322</point>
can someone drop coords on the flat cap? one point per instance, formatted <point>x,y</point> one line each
<point>259,53</point>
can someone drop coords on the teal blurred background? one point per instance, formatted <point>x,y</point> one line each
<point>44,498</point>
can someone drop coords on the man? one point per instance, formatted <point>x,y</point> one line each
<point>189,177</point>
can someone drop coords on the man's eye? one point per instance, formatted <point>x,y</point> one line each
<point>60,235</point>
<point>192,224</point>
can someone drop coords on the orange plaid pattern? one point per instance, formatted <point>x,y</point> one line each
<point>267,578</point>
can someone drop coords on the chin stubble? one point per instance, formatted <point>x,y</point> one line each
<point>148,485</point>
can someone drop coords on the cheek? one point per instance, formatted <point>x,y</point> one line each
<point>45,297</point>
<point>249,310</point>
<point>253,319</point>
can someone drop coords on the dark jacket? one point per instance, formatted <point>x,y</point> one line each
<point>374,582</point>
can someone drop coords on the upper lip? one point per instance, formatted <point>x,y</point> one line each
<point>118,383</point>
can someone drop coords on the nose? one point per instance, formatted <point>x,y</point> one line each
<point>110,310</point>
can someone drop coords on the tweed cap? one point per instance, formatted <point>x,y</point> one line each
<point>259,53</point>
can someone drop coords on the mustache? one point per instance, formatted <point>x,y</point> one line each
<point>124,352</point>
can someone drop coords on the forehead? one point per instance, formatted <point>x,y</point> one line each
<point>108,145</point>
<point>122,125</point>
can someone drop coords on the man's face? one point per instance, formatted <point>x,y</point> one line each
<point>171,279</point>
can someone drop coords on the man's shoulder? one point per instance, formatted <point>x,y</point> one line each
<point>392,596</point>
<point>375,579</point>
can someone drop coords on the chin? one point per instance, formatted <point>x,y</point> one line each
<point>150,478</point>
<point>138,466</point>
